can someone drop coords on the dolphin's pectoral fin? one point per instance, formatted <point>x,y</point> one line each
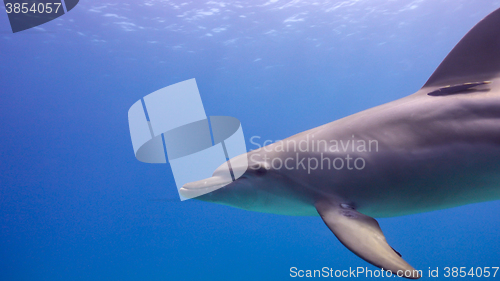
<point>362,235</point>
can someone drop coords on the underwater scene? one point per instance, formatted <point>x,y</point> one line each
<point>78,203</point>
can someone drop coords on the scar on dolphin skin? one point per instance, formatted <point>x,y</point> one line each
<point>450,90</point>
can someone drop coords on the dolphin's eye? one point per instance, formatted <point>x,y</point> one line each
<point>259,170</point>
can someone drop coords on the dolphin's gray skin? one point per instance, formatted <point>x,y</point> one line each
<point>437,148</point>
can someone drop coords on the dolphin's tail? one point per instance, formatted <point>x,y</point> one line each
<point>475,58</point>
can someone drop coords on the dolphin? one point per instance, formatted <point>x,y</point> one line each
<point>437,148</point>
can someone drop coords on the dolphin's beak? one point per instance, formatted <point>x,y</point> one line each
<point>220,178</point>
<point>198,188</point>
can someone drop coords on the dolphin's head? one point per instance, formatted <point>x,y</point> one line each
<point>221,188</point>
<point>259,188</point>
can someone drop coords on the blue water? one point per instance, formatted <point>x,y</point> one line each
<point>75,204</point>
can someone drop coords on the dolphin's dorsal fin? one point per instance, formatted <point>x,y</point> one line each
<point>475,58</point>
<point>362,235</point>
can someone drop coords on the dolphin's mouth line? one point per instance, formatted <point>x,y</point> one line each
<point>198,188</point>
<point>206,185</point>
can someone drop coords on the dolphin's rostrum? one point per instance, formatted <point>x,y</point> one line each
<point>437,148</point>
